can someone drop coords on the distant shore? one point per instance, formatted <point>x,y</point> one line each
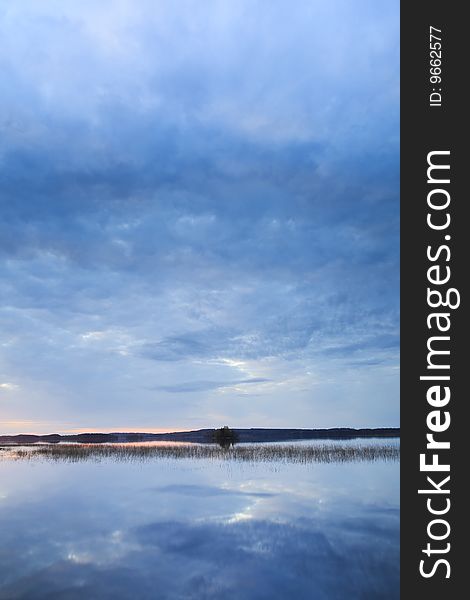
<point>205,436</point>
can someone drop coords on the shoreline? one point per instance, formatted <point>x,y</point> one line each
<point>205,436</point>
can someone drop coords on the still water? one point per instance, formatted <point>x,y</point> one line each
<point>198,529</point>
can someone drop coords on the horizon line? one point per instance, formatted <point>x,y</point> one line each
<point>107,431</point>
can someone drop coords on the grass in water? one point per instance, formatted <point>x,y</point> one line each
<point>295,453</point>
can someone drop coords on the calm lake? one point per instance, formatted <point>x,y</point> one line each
<point>198,529</point>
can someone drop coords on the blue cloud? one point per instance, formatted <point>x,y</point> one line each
<point>223,209</point>
<point>203,386</point>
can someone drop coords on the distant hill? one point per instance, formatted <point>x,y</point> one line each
<point>205,436</point>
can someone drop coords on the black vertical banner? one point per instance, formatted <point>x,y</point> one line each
<point>433,300</point>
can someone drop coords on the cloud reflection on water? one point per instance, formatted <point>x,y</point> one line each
<point>171,531</point>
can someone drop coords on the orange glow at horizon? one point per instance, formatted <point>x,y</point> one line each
<point>30,427</point>
<point>121,430</point>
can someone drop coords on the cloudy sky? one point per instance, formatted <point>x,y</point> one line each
<point>200,215</point>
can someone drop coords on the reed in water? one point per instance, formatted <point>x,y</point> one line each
<point>295,453</point>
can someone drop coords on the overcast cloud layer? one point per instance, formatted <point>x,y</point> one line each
<point>200,214</point>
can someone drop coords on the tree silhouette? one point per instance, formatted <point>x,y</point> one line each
<point>225,437</point>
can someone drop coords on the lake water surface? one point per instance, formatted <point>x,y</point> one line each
<point>198,529</point>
